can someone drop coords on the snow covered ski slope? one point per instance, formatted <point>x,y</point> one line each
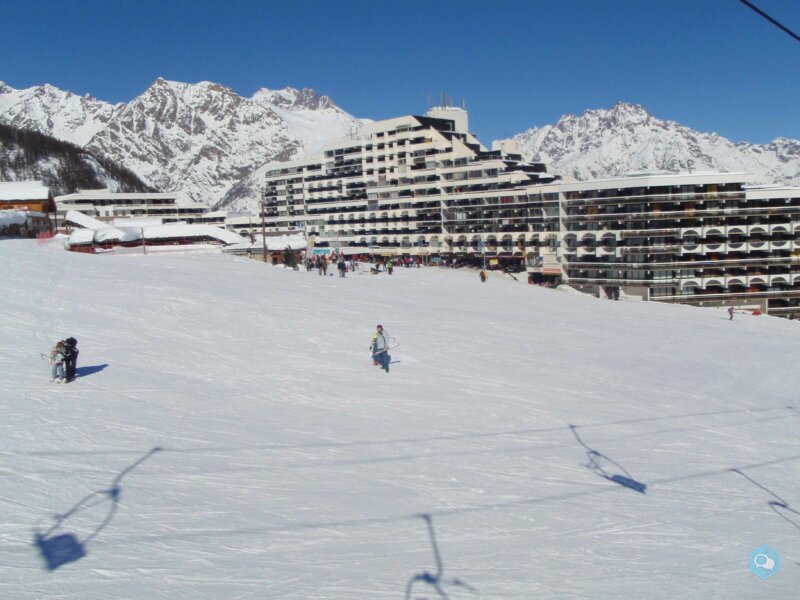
<point>228,437</point>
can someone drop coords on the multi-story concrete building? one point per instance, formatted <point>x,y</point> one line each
<point>425,186</point>
<point>412,185</point>
<point>107,206</point>
<point>693,237</point>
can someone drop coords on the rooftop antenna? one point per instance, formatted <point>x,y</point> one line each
<point>430,102</point>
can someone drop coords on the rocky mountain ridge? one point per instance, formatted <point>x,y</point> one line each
<point>626,138</point>
<point>198,140</point>
<point>211,145</point>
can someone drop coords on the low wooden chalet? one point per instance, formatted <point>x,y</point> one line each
<point>35,201</point>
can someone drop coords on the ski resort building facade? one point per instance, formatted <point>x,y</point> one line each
<point>107,206</point>
<point>698,238</point>
<point>411,186</point>
<point>425,187</point>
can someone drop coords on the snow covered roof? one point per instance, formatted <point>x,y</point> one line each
<point>78,218</point>
<point>23,190</point>
<point>148,222</point>
<point>108,194</point>
<point>12,217</point>
<point>105,233</point>
<point>769,186</point>
<point>274,243</point>
<point>661,178</point>
<point>175,231</point>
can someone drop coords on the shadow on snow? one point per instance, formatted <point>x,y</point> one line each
<point>598,463</point>
<point>779,506</point>
<point>435,580</point>
<point>58,546</point>
<point>86,371</point>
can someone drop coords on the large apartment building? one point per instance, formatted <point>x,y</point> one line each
<point>414,185</point>
<point>425,186</point>
<point>106,205</point>
<point>701,238</point>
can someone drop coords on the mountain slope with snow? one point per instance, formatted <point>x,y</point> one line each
<point>526,443</point>
<point>55,112</point>
<point>195,139</point>
<point>63,167</point>
<point>625,138</point>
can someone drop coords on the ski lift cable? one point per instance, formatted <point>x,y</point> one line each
<point>444,437</point>
<point>777,24</point>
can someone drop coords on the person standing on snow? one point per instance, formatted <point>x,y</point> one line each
<point>70,358</point>
<point>57,356</point>
<point>730,312</point>
<point>380,347</point>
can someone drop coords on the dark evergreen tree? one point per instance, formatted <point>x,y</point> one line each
<point>30,155</point>
<point>289,259</point>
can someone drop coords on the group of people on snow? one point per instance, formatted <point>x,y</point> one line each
<point>64,358</point>
<point>321,263</point>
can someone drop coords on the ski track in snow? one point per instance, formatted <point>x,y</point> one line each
<point>288,466</point>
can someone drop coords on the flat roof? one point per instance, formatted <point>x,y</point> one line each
<point>647,179</point>
<point>108,194</point>
<point>24,190</point>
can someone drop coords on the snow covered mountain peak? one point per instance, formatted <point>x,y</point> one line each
<point>293,99</point>
<point>626,137</point>
<point>197,139</point>
<point>58,113</point>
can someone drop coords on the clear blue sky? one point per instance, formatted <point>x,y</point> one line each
<point>713,65</point>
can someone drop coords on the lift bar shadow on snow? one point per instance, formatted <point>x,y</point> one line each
<point>59,547</point>
<point>435,580</point>
<point>779,505</point>
<point>595,466</point>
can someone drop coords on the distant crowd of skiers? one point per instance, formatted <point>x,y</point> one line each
<point>64,358</point>
<point>345,265</point>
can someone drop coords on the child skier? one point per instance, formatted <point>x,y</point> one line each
<point>380,348</point>
<point>57,356</point>
<point>373,349</point>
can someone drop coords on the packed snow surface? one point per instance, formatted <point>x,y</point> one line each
<point>228,437</point>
